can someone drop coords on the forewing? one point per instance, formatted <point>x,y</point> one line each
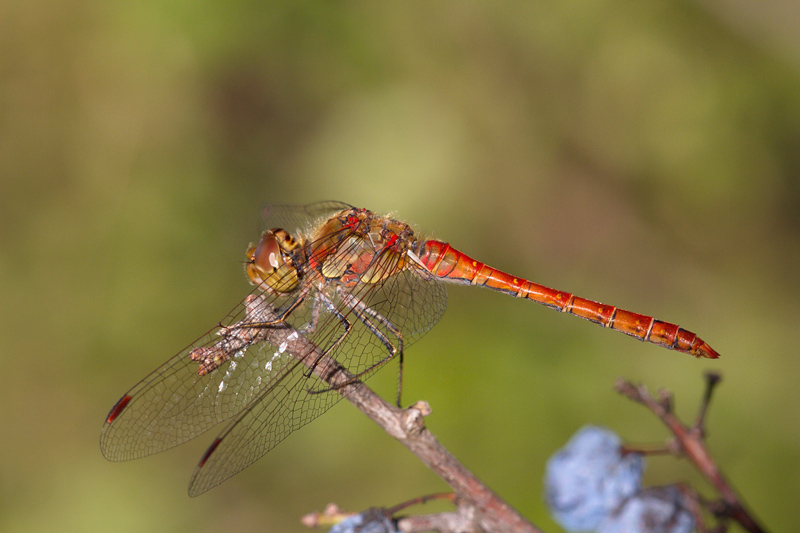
<point>174,403</point>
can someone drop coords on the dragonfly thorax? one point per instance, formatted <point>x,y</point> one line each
<point>270,264</point>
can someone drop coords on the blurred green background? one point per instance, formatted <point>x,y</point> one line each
<point>643,153</point>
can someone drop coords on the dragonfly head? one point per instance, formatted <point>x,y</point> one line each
<point>270,263</point>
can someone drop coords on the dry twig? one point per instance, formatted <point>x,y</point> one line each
<point>689,442</point>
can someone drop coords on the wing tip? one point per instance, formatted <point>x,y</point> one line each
<point>118,408</point>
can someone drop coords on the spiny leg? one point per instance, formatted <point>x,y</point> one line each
<point>366,315</point>
<point>321,297</point>
<point>280,320</point>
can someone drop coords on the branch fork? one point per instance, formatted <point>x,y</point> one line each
<point>689,441</point>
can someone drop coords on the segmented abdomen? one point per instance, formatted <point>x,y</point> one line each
<point>445,262</point>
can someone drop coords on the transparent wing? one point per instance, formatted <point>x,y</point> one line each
<point>408,302</point>
<point>175,403</point>
<point>299,219</point>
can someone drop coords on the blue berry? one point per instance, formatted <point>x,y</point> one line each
<point>654,510</point>
<point>370,521</point>
<point>589,478</point>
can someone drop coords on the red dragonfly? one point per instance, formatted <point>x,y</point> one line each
<point>361,287</point>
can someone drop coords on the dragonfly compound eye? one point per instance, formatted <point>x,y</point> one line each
<point>269,265</point>
<point>267,257</point>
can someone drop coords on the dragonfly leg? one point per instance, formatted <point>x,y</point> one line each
<point>372,320</point>
<point>322,298</point>
<point>280,320</point>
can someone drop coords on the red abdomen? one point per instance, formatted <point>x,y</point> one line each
<point>447,263</point>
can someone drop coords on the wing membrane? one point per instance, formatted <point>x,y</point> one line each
<point>174,404</point>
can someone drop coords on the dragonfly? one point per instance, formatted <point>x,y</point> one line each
<point>359,286</point>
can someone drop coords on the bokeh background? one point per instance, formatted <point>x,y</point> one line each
<point>644,153</point>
